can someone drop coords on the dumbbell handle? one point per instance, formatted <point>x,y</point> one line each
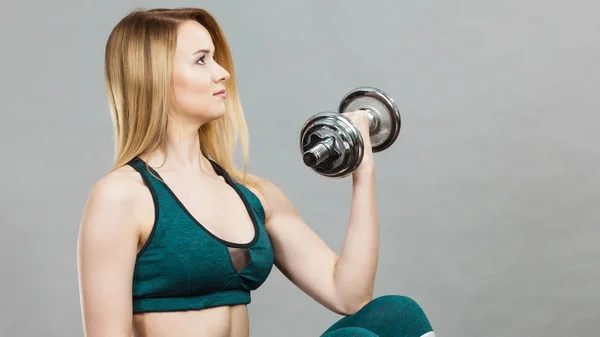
<point>373,119</point>
<point>322,150</point>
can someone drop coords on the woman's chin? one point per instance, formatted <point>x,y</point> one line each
<point>215,115</point>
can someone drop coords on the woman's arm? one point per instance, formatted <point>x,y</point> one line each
<point>342,283</point>
<point>106,250</point>
<point>355,271</point>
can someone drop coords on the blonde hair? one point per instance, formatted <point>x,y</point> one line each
<point>138,68</point>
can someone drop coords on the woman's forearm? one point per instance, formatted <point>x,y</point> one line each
<point>355,270</point>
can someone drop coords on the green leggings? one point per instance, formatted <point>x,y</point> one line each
<point>385,316</point>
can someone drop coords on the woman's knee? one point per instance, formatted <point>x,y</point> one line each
<point>386,316</point>
<point>393,303</point>
<point>350,332</point>
<point>390,309</point>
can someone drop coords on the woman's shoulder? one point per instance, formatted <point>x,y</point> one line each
<point>123,184</point>
<point>268,192</point>
<point>116,200</point>
<point>109,233</point>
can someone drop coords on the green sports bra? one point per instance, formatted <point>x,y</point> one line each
<point>183,266</point>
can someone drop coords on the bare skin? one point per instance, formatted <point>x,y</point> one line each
<point>119,215</point>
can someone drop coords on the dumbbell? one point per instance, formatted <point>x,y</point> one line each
<point>331,144</point>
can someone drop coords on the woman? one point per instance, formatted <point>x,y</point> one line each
<point>174,237</point>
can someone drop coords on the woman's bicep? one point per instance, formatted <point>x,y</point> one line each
<point>106,251</point>
<point>300,254</point>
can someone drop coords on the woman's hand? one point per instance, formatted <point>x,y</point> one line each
<point>361,120</point>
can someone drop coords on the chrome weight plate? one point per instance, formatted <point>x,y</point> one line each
<point>387,126</point>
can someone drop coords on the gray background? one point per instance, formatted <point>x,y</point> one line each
<point>488,200</point>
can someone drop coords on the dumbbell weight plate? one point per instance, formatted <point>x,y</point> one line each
<point>388,129</point>
<point>347,146</point>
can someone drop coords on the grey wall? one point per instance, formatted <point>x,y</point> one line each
<point>489,200</point>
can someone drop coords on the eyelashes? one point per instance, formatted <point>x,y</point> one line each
<point>202,60</point>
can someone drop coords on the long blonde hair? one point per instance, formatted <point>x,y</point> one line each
<point>138,68</point>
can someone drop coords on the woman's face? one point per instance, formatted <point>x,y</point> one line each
<point>198,79</point>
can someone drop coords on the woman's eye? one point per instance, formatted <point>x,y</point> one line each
<point>201,60</point>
